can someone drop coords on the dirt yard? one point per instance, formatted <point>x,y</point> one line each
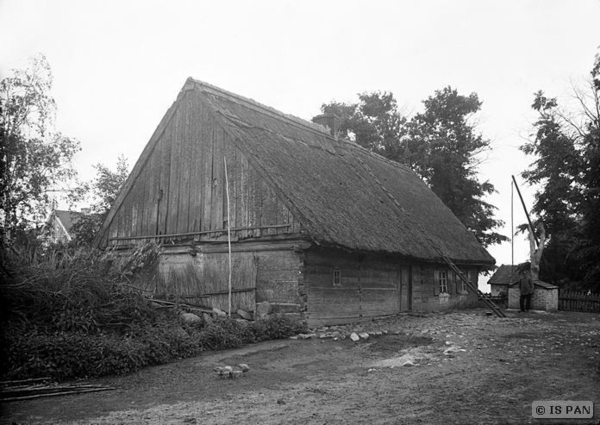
<point>467,368</point>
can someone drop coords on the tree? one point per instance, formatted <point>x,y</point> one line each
<point>439,144</point>
<point>34,158</point>
<point>103,191</point>
<point>566,170</point>
<point>443,148</point>
<point>374,122</point>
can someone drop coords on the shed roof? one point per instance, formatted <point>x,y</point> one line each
<point>505,275</point>
<point>344,195</point>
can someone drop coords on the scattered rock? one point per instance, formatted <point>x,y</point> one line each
<point>364,335</point>
<point>244,314</point>
<point>219,311</point>
<point>354,337</point>
<point>263,309</point>
<point>306,336</point>
<point>190,318</point>
<point>452,350</point>
<point>180,332</point>
<point>408,363</point>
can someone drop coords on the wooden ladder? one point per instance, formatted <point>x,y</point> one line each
<point>474,288</point>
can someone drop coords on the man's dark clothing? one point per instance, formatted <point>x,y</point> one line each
<point>526,287</point>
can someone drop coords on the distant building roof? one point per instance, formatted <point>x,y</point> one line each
<point>505,275</point>
<point>68,218</point>
<point>539,283</point>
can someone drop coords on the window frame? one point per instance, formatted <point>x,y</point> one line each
<point>337,277</point>
<point>443,281</point>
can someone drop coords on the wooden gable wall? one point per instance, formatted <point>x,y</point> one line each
<point>180,189</point>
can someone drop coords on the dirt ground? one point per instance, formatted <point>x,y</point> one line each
<point>467,368</point>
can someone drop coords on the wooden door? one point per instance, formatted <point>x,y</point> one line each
<point>405,298</point>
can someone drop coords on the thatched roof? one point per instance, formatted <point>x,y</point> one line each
<point>344,195</point>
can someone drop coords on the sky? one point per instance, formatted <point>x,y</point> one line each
<point>118,65</point>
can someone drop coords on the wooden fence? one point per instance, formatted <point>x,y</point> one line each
<point>578,301</point>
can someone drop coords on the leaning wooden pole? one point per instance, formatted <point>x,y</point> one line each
<point>228,229</point>
<point>526,213</point>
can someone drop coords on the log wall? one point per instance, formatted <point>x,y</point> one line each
<point>426,293</point>
<point>344,288</point>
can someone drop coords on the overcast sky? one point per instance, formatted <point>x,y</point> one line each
<point>118,65</point>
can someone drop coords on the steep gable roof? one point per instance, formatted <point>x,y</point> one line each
<point>344,195</point>
<point>67,218</point>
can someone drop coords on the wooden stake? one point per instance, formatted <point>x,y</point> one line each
<point>228,229</point>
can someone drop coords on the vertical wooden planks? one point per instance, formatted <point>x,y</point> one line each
<point>185,143</point>
<point>229,152</point>
<point>164,182</point>
<point>197,121</point>
<point>218,181</point>
<point>207,168</point>
<point>243,206</point>
<point>175,175</point>
<point>152,192</point>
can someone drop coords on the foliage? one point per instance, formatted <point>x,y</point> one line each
<point>34,159</point>
<point>439,144</point>
<point>103,190</point>
<point>66,314</point>
<point>444,149</point>
<point>374,122</point>
<point>566,169</point>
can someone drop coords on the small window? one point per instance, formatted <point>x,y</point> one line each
<point>443,281</point>
<point>337,277</point>
<point>463,284</point>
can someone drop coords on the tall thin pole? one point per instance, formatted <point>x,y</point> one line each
<point>228,229</point>
<point>512,227</point>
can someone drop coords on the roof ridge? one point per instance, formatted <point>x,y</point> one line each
<point>264,108</point>
<point>296,120</point>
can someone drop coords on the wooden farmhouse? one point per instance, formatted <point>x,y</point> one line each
<point>320,227</point>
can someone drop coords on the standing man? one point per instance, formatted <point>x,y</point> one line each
<point>525,286</point>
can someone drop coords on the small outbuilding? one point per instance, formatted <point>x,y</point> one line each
<point>320,227</point>
<point>545,296</point>
<point>502,278</point>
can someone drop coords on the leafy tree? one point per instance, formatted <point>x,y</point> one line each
<point>374,122</point>
<point>566,169</point>
<point>443,148</point>
<point>102,191</point>
<point>439,144</point>
<point>589,247</point>
<point>34,158</point>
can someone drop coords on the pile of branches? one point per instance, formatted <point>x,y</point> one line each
<point>28,389</point>
<point>68,289</point>
<point>72,314</point>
